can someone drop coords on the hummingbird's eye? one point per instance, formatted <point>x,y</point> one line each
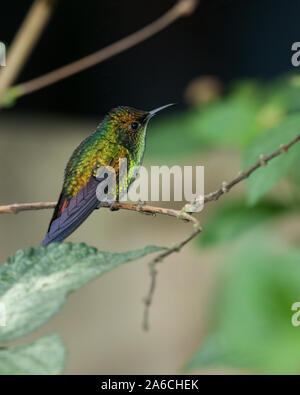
<point>134,126</point>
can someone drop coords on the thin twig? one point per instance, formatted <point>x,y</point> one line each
<point>15,208</point>
<point>180,9</point>
<point>24,42</point>
<point>263,160</point>
<point>153,272</point>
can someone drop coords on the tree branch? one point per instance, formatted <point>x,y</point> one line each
<point>15,208</point>
<point>263,161</point>
<point>180,9</point>
<point>23,43</point>
<point>153,271</point>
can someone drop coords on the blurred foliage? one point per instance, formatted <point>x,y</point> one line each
<point>34,283</point>
<point>44,356</point>
<point>267,176</point>
<point>233,120</point>
<point>235,219</point>
<point>251,319</point>
<point>249,109</point>
<point>295,173</point>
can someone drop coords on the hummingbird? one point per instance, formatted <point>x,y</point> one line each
<point>121,134</point>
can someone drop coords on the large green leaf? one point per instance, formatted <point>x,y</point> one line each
<point>44,356</point>
<point>252,319</point>
<point>234,220</point>
<point>260,182</point>
<point>34,282</point>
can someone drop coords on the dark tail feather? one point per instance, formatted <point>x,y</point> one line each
<point>79,208</point>
<point>57,210</point>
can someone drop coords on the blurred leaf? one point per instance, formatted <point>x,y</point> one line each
<point>45,356</point>
<point>232,120</point>
<point>214,352</point>
<point>295,173</point>
<point>249,109</point>
<point>286,91</point>
<point>252,315</point>
<point>266,177</point>
<point>234,220</point>
<point>34,282</point>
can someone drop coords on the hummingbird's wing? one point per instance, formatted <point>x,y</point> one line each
<point>77,211</point>
<point>70,214</point>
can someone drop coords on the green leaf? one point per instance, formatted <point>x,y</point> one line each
<point>34,282</point>
<point>285,90</point>
<point>233,120</point>
<point>44,356</point>
<point>228,121</point>
<point>233,221</point>
<point>215,352</point>
<point>267,176</point>
<point>251,323</point>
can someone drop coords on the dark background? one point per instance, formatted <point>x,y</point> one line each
<point>227,38</point>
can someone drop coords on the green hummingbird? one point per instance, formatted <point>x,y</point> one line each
<point>121,134</point>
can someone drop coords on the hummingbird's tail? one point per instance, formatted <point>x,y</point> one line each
<point>77,211</point>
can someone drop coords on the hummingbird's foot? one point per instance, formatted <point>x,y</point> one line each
<point>112,208</point>
<point>140,204</point>
<point>140,208</point>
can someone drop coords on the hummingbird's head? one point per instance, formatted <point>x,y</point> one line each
<point>129,124</point>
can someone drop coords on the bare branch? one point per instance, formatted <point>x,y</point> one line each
<point>153,271</point>
<point>23,43</point>
<point>180,9</point>
<point>15,208</point>
<point>263,160</point>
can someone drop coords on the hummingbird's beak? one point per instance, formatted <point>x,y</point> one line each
<point>156,110</point>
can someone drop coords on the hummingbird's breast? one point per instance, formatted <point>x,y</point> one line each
<point>136,156</point>
<point>96,152</point>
